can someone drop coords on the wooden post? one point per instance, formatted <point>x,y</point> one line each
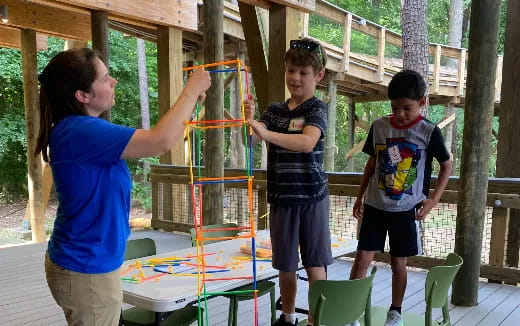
<point>169,74</point>
<point>436,69</point>
<point>347,36</point>
<point>32,117</point>
<point>498,237</point>
<point>508,156</point>
<point>99,27</point>
<point>381,55</point>
<point>74,44</point>
<point>330,148</point>
<point>253,33</point>
<point>304,21</point>
<point>283,27</point>
<point>473,185</point>
<point>461,73</point>
<point>213,210</point>
<point>351,131</point>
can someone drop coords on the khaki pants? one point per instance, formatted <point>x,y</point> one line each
<point>86,299</point>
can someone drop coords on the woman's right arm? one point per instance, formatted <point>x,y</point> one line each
<point>170,128</point>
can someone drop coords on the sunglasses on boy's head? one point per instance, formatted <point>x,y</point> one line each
<point>306,45</point>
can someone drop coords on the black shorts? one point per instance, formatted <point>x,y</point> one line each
<point>401,228</point>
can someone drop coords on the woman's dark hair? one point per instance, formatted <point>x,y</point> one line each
<point>66,73</point>
<point>306,52</point>
<point>407,84</point>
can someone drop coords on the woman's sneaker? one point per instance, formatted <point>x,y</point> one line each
<point>393,318</point>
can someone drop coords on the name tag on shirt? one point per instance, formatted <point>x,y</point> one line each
<point>296,124</point>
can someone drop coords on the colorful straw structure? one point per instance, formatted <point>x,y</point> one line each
<point>197,182</point>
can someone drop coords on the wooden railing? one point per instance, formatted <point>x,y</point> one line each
<point>502,193</point>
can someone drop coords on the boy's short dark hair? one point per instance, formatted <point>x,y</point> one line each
<point>407,84</point>
<point>306,52</point>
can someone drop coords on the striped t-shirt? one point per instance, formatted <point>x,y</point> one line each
<point>295,178</point>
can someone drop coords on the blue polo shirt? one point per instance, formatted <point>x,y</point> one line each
<point>93,187</point>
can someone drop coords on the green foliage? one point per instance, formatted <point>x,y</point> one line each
<point>141,188</point>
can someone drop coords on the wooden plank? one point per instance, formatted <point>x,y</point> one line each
<point>32,128</point>
<point>11,38</point>
<point>347,36</point>
<point>302,5</point>
<point>461,73</point>
<point>283,27</point>
<point>499,223</point>
<point>436,69</point>
<point>255,51</point>
<point>446,121</point>
<point>266,4</point>
<point>47,20</point>
<point>181,14</point>
<point>381,55</point>
<point>506,274</point>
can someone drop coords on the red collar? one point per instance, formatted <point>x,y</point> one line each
<point>411,124</point>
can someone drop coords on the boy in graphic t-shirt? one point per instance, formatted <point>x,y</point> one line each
<point>394,189</point>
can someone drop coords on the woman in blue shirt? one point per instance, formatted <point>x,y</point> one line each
<point>86,153</point>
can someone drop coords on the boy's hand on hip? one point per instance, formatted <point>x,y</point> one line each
<point>426,207</point>
<point>358,208</point>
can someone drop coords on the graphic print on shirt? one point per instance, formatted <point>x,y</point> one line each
<point>397,160</point>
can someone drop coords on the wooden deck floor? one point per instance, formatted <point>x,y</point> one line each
<point>26,300</point>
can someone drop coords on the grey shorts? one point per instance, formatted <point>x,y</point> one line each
<point>306,226</point>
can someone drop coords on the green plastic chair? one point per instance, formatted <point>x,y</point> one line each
<point>137,316</point>
<point>334,303</point>
<point>263,287</point>
<point>438,282</point>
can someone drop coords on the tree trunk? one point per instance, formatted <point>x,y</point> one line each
<point>473,185</point>
<point>415,39</point>
<point>455,27</point>
<point>143,93</point>
<point>330,148</point>
<point>213,210</point>
<point>449,138</point>
<point>508,157</point>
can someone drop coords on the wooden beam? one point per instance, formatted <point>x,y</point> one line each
<point>47,20</point>
<point>169,73</point>
<point>347,36</point>
<point>381,55</point>
<point>461,78</point>
<point>446,121</point>
<point>266,4</point>
<point>32,127</point>
<point>255,51</point>
<point>99,26</point>
<point>180,14</point>
<point>301,5</point>
<point>283,27</point>
<point>436,69</point>
<point>505,274</point>
<point>11,38</point>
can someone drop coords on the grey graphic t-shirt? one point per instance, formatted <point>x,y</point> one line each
<point>404,157</point>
